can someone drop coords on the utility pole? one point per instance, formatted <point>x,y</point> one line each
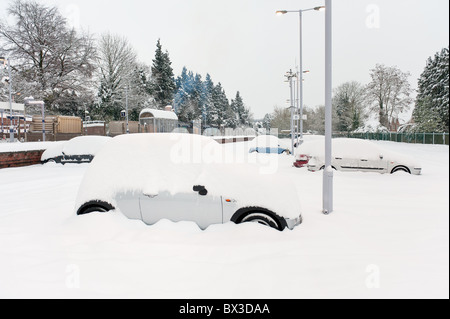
<point>126,107</point>
<point>291,77</point>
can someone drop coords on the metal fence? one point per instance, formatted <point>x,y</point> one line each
<point>416,138</point>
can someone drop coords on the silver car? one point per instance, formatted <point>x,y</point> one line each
<point>184,177</point>
<point>361,155</point>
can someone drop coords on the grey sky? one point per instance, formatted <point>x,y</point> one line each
<point>246,47</point>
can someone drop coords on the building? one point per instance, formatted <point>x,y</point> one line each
<point>158,121</point>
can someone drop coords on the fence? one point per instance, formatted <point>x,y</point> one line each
<point>417,138</point>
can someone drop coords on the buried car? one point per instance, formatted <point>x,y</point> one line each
<point>269,150</point>
<point>184,177</point>
<point>359,155</point>
<point>81,149</point>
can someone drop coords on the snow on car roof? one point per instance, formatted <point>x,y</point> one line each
<point>153,163</point>
<point>265,141</point>
<point>350,148</point>
<point>81,145</point>
<point>160,114</point>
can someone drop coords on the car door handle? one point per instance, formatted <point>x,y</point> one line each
<point>150,195</point>
<point>338,158</point>
<point>364,160</point>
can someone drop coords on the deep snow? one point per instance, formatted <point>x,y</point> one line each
<point>388,238</point>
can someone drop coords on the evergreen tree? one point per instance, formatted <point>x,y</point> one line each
<point>163,83</point>
<point>350,105</point>
<point>187,100</point>
<point>243,115</point>
<point>432,102</point>
<point>221,107</point>
<point>208,109</point>
<point>267,122</point>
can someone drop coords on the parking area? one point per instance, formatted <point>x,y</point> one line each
<point>388,237</point>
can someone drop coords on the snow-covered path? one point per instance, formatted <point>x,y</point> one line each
<point>388,238</point>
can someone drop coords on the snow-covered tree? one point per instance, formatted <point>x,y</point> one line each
<point>267,122</point>
<point>221,107</point>
<point>187,101</point>
<point>432,102</point>
<point>116,66</point>
<point>390,93</point>
<point>209,113</point>
<point>55,60</point>
<point>244,116</point>
<point>163,83</point>
<point>350,104</point>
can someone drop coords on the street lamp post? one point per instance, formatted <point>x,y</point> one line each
<point>300,80</point>
<point>11,127</point>
<point>328,171</point>
<point>126,108</point>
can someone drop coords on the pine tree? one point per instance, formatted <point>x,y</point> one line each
<point>208,108</point>
<point>267,121</point>
<point>163,83</point>
<point>431,112</point>
<point>221,113</point>
<point>188,97</point>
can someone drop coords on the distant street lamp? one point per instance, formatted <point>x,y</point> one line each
<point>11,127</point>
<point>300,80</point>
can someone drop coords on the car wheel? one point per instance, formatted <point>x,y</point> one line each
<point>261,218</point>
<point>94,206</point>
<point>323,167</point>
<point>400,169</point>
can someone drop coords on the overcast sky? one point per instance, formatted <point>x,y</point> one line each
<point>246,47</point>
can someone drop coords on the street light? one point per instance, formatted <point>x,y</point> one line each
<point>11,128</point>
<point>328,171</point>
<point>300,80</point>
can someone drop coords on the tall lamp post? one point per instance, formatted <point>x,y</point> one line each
<point>300,80</point>
<point>328,171</point>
<point>11,128</point>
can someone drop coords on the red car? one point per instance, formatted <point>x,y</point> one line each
<point>301,160</point>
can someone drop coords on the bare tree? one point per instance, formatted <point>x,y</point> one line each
<point>281,119</point>
<point>46,53</point>
<point>117,62</point>
<point>390,92</point>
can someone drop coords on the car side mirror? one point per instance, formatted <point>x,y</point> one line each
<point>200,189</point>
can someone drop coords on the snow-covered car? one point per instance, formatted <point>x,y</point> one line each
<point>269,150</point>
<point>183,177</point>
<point>360,155</point>
<point>78,150</point>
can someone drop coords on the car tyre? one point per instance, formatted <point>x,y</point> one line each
<point>94,206</point>
<point>261,218</point>
<point>400,169</point>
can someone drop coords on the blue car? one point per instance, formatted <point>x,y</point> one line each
<point>269,150</point>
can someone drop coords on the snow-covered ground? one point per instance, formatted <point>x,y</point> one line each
<point>388,238</point>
